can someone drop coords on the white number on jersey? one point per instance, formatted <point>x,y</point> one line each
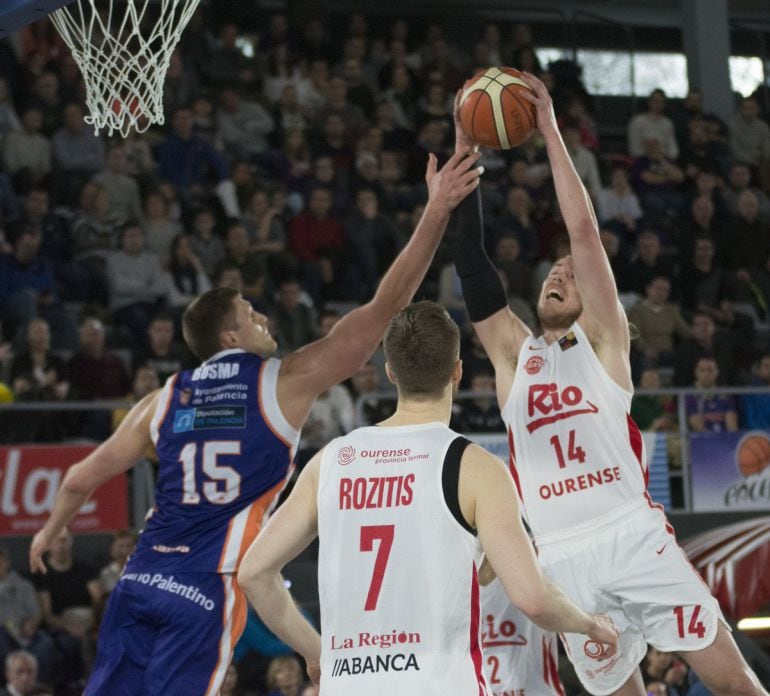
<point>217,473</point>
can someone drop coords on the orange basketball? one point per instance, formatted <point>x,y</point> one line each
<point>754,454</point>
<point>492,110</point>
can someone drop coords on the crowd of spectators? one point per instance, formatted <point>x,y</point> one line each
<point>293,172</point>
<point>48,627</point>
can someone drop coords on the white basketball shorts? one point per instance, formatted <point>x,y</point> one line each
<point>629,566</point>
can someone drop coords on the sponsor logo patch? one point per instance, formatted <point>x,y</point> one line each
<point>534,365</point>
<point>346,455</point>
<point>595,650</point>
<point>188,419</point>
<point>374,664</point>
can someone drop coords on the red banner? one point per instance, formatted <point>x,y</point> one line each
<point>29,479</point>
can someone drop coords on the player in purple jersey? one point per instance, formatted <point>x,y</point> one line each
<point>225,434</point>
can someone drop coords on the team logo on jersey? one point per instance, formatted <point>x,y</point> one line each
<point>346,455</point>
<point>502,635</point>
<point>554,404</point>
<point>534,365</point>
<point>188,419</point>
<point>596,650</point>
<point>184,397</point>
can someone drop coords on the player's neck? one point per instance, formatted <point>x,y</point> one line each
<point>554,334</point>
<point>417,412</point>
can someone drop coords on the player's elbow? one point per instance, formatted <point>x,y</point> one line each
<point>248,570</point>
<point>251,573</point>
<point>77,481</point>
<point>534,605</point>
<point>245,576</point>
<point>387,305</point>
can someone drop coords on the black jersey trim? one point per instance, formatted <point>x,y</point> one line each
<point>450,480</point>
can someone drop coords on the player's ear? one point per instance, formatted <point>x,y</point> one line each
<point>228,339</point>
<point>389,373</point>
<point>457,375</point>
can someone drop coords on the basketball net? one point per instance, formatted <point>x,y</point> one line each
<point>123,50</point>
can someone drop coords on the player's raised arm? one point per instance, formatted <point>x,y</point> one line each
<point>287,534</point>
<point>125,447</point>
<point>501,332</point>
<point>488,500</point>
<point>311,370</point>
<point>602,313</point>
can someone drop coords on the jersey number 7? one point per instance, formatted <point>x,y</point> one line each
<point>383,532</point>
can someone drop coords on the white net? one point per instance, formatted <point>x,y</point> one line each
<point>123,49</point>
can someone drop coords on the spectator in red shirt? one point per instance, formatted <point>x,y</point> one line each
<point>318,242</point>
<point>95,373</point>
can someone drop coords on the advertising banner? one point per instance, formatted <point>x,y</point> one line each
<point>29,479</point>
<point>730,471</point>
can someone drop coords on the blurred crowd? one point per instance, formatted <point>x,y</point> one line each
<point>291,167</point>
<point>48,627</point>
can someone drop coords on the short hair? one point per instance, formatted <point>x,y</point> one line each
<point>705,358</point>
<point>276,664</point>
<point>422,345</point>
<point>207,316</point>
<point>25,655</point>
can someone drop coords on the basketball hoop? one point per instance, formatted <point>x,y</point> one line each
<point>123,50</point>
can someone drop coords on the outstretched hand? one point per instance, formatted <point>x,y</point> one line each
<point>455,180</point>
<point>40,545</point>
<point>546,118</point>
<point>314,671</point>
<point>605,634</point>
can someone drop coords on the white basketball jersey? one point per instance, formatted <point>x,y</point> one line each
<point>521,658</point>
<point>575,452</point>
<point>396,571</point>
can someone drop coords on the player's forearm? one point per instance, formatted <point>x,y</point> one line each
<point>574,201</point>
<point>277,609</point>
<point>559,614</point>
<point>482,288</point>
<point>69,499</point>
<point>408,270</point>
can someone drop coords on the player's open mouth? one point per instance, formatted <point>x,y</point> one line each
<point>554,295</point>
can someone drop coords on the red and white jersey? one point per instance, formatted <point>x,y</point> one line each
<point>576,454</point>
<point>397,575</point>
<point>521,658</point>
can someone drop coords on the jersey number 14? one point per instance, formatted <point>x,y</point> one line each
<point>574,452</point>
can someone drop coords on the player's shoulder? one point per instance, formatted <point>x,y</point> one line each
<point>478,461</point>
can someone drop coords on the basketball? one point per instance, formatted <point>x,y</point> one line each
<point>754,454</point>
<point>493,111</point>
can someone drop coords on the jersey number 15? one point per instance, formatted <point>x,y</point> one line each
<point>224,484</point>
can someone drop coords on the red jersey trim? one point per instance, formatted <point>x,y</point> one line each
<point>512,464</point>
<point>635,440</point>
<point>474,638</point>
